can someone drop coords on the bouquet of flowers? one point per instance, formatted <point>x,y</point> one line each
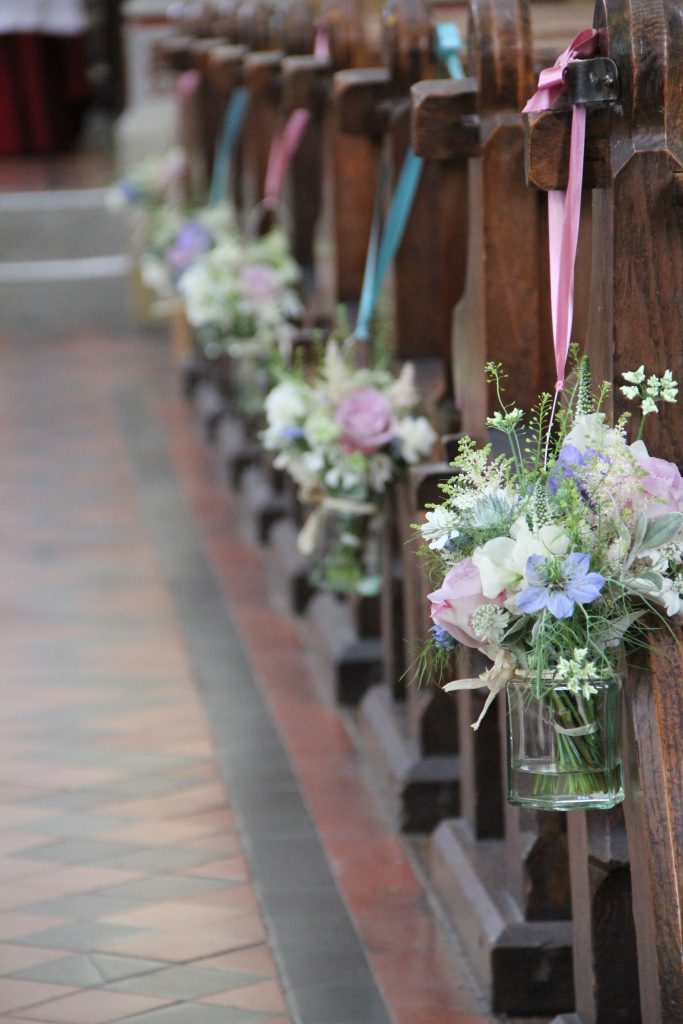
<point>176,240</point>
<point>153,182</point>
<point>241,296</point>
<point>343,434</point>
<point>548,558</point>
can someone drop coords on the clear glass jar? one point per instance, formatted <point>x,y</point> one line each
<point>347,556</point>
<point>564,748</point>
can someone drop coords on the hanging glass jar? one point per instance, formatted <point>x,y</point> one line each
<point>564,745</point>
<point>346,555</point>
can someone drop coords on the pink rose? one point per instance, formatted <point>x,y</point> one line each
<point>663,481</point>
<point>366,420</point>
<point>459,595</point>
<point>259,281</point>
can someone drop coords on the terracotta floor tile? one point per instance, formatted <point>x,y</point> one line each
<point>14,926</point>
<point>15,994</point>
<point>264,995</point>
<point>93,1007</point>
<point>179,946</point>
<point>257,959</point>
<point>15,958</point>
<point>232,868</point>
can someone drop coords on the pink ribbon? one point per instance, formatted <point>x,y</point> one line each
<point>187,84</point>
<point>321,46</point>
<point>283,148</point>
<point>286,142</point>
<point>564,207</point>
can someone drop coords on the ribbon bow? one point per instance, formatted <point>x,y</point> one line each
<point>496,677</point>
<point>551,83</point>
<point>564,207</point>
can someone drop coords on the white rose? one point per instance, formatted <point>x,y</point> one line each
<point>417,437</point>
<point>502,561</point>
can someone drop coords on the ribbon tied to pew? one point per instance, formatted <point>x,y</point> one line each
<point>564,207</point>
<point>564,211</point>
<point>385,239</point>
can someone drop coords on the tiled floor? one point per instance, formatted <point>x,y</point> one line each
<point>125,892</point>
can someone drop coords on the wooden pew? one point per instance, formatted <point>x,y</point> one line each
<point>312,189</point>
<point>626,865</point>
<point>533,847</point>
<point>410,732</point>
<point>501,873</point>
<point>370,109</point>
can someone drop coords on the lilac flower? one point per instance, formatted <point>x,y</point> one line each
<point>192,241</point>
<point>570,462</point>
<point>559,584</point>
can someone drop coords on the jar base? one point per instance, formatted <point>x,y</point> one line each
<point>544,789</point>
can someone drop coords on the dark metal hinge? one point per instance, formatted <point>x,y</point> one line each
<point>595,80</point>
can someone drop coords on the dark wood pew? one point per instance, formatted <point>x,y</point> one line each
<point>502,874</point>
<point>626,866</point>
<point>370,110</point>
<point>467,872</point>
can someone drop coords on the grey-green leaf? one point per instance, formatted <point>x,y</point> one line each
<point>661,530</point>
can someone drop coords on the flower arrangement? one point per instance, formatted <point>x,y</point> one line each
<point>153,182</point>
<point>241,296</point>
<point>177,240</point>
<point>343,433</point>
<point>548,557</point>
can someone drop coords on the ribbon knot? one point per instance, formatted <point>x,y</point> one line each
<point>564,207</point>
<point>551,83</point>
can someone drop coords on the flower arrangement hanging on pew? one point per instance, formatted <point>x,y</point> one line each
<point>556,561</point>
<point>343,434</point>
<point>153,182</point>
<point>243,301</point>
<point>178,239</point>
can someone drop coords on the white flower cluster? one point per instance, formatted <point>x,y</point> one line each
<point>243,290</point>
<point>650,390</point>
<point>544,558</point>
<point>345,430</point>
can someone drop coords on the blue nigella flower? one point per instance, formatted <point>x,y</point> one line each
<point>559,584</point>
<point>443,638</point>
<point>130,192</point>
<point>292,433</point>
<point>570,462</point>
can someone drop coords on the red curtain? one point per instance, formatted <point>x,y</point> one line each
<point>43,89</point>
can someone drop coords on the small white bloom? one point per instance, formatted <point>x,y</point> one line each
<point>635,376</point>
<point>440,527</point>
<point>649,406</point>
<point>630,391</point>
<point>417,437</point>
<point>285,405</point>
<point>490,622</point>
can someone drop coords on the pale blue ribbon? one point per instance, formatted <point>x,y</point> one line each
<point>225,153</point>
<point>383,244</point>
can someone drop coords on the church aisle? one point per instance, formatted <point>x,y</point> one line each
<point>132,886</point>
